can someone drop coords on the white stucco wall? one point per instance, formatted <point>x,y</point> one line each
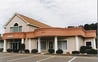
<point>70,44</point>
<point>81,41</point>
<point>25,27</point>
<point>33,44</point>
<point>92,42</point>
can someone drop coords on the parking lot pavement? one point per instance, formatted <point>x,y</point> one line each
<point>14,57</point>
<point>56,59</point>
<point>86,59</point>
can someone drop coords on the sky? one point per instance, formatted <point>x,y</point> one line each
<point>57,13</point>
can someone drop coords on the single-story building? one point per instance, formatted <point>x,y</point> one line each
<point>37,35</point>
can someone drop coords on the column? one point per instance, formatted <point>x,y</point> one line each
<point>94,43</point>
<point>22,41</point>
<point>4,46</point>
<point>77,43</point>
<point>39,46</point>
<point>55,44</point>
<point>30,45</point>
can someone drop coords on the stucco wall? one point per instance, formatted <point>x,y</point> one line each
<point>25,27</point>
<point>90,40</point>
<point>81,41</point>
<point>70,44</point>
<point>33,44</point>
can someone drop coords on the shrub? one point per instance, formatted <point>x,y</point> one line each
<point>59,51</point>
<point>26,51</point>
<point>34,51</point>
<point>15,50</point>
<point>9,50</point>
<point>88,47</point>
<point>82,49</point>
<point>51,51</point>
<point>91,51</point>
<point>1,49</point>
<point>75,52</point>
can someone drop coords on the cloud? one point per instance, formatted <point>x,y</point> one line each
<point>59,13</point>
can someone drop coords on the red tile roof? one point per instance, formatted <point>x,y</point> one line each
<point>33,22</point>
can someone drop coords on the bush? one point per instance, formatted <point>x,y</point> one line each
<point>82,49</point>
<point>75,52</point>
<point>9,50</point>
<point>26,51</point>
<point>15,50</point>
<point>34,51</point>
<point>88,47</point>
<point>1,49</point>
<point>59,51</point>
<point>51,51</point>
<point>91,51</point>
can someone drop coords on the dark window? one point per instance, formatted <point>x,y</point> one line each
<point>88,44</point>
<point>15,24</point>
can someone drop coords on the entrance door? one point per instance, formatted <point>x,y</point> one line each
<point>15,45</point>
<point>43,45</point>
<point>50,44</point>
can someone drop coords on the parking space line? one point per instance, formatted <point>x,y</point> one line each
<point>72,59</point>
<point>21,58</point>
<point>9,56</point>
<point>45,59</point>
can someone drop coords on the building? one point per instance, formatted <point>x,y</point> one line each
<point>1,42</point>
<point>37,35</point>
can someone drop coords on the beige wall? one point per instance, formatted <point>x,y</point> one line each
<point>81,41</point>
<point>90,40</point>
<point>70,44</point>
<point>25,27</point>
<point>33,44</point>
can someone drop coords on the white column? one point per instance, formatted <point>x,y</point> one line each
<point>22,41</point>
<point>39,46</point>
<point>77,43</point>
<point>4,46</point>
<point>94,43</point>
<point>30,45</point>
<point>55,44</point>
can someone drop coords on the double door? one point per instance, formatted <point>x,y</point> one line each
<point>15,45</point>
<point>47,45</point>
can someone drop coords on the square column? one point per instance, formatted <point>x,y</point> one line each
<point>39,46</point>
<point>30,45</point>
<point>4,46</point>
<point>77,43</point>
<point>22,41</point>
<point>94,43</point>
<point>55,44</point>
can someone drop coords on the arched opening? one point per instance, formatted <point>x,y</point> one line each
<point>16,28</point>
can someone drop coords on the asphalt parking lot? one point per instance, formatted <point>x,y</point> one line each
<point>14,57</point>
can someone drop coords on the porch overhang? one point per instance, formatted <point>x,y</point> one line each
<point>14,35</point>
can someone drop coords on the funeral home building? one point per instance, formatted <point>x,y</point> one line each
<point>36,35</point>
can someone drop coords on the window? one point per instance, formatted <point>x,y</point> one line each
<point>16,28</point>
<point>88,44</point>
<point>62,45</point>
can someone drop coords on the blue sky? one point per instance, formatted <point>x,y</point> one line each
<point>58,13</point>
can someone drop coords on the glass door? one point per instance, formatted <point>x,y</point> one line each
<point>50,44</point>
<point>43,45</point>
<point>15,45</point>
